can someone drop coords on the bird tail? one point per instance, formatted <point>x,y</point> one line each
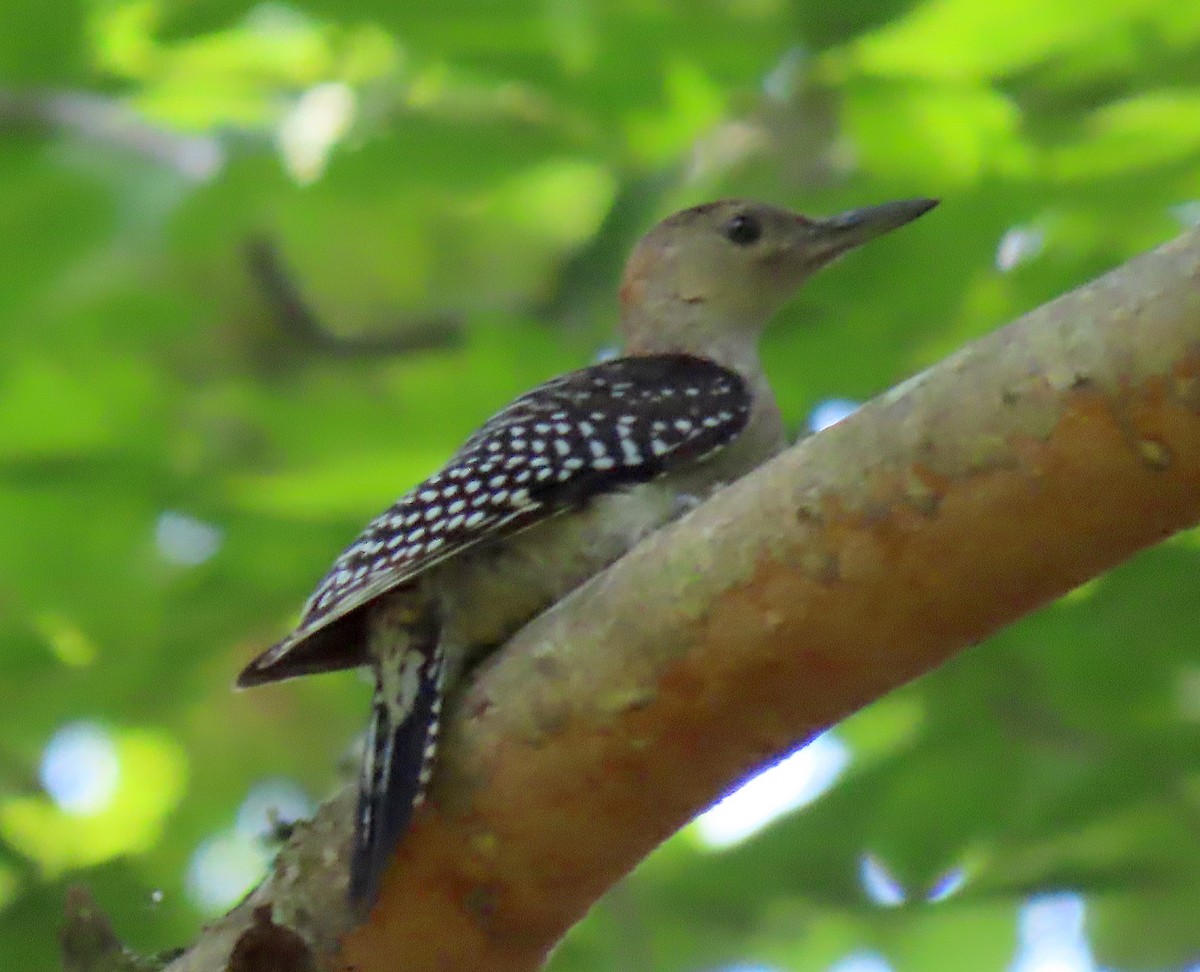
<point>397,759</point>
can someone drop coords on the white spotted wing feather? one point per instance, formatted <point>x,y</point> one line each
<point>590,432</point>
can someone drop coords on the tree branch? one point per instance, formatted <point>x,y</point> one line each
<point>1029,461</point>
<point>299,321</point>
<point>107,120</point>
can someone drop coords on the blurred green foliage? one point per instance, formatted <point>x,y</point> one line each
<point>177,467</point>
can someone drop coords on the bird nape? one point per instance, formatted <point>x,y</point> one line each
<point>559,485</point>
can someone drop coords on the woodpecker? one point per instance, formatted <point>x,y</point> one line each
<point>558,485</point>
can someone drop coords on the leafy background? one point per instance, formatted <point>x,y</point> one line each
<point>177,466</point>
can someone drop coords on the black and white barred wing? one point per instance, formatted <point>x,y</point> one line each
<point>589,432</point>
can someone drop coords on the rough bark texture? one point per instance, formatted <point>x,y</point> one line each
<point>1026,463</point>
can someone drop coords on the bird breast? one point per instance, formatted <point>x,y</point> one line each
<point>486,594</point>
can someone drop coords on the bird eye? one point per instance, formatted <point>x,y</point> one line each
<point>743,229</point>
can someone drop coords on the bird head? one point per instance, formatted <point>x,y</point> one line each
<point>728,266</point>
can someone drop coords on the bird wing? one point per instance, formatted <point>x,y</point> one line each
<point>592,431</point>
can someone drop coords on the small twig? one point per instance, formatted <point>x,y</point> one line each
<point>105,119</point>
<point>89,943</point>
<point>297,319</point>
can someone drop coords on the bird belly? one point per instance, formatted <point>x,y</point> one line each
<point>490,592</point>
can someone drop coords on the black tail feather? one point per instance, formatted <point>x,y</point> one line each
<point>338,645</point>
<point>397,762</point>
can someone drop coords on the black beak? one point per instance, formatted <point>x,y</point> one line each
<point>845,231</point>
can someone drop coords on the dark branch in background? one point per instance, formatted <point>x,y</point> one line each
<point>583,282</point>
<point>298,321</point>
<point>197,158</point>
<point>200,158</point>
<point>585,278</point>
